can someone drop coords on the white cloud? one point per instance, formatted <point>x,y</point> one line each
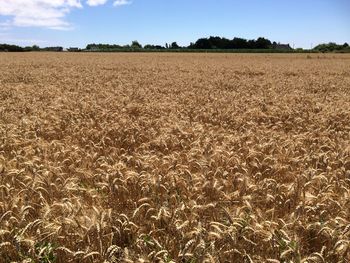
<point>121,2</point>
<point>38,13</point>
<point>44,13</point>
<point>96,2</point>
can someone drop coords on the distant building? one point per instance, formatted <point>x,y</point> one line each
<point>281,46</point>
<point>73,49</point>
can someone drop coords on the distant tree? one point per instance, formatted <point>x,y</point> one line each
<point>102,47</point>
<point>202,43</point>
<point>346,45</point>
<point>262,43</point>
<point>11,48</point>
<point>251,44</point>
<point>174,45</point>
<point>331,46</point>
<point>54,49</point>
<point>274,44</point>
<point>90,46</point>
<point>219,43</point>
<point>135,44</point>
<point>35,48</point>
<point>236,43</point>
<point>153,47</point>
<point>166,45</point>
<point>239,43</point>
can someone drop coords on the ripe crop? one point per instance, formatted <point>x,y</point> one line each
<point>174,158</point>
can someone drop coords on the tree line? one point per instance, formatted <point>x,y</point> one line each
<point>331,47</point>
<point>202,43</point>
<point>210,43</point>
<point>15,48</point>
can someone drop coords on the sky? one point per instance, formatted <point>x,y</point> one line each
<point>76,23</point>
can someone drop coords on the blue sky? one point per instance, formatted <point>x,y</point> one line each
<point>79,22</point>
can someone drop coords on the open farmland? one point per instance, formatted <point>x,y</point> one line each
<point>174,158</point>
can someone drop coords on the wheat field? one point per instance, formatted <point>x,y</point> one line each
<point>174,158</point>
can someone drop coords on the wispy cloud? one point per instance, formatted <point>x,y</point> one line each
<point>9,38</point>
<point>5,26</point>
<point>121,2</point>
<point>96,2</point>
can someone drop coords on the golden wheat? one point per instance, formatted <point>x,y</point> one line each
<point>174,158</point>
